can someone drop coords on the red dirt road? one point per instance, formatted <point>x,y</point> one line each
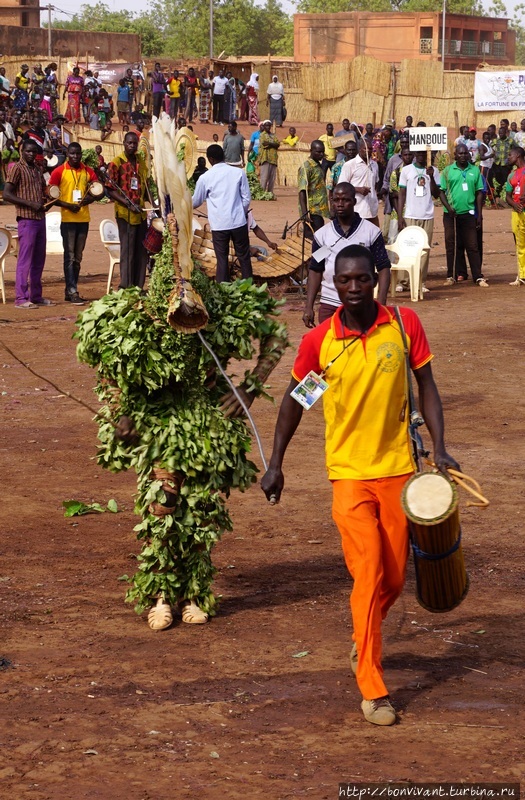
<point>95,705</point>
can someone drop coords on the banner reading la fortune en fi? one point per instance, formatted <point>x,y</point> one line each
<point>499,91</point>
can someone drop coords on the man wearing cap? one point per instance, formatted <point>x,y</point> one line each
<point>393,163</point>
<point>333,176</point>
<point>477,149</point>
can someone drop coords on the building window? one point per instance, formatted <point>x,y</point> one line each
<point>425,40</point>
<point>25,19</point>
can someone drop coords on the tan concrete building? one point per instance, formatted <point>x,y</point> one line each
<point>22,13</point>
<point>394,36</point>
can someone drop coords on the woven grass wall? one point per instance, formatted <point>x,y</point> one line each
<point>298,108</point>
<point>326,81</point>
<point>368,74</point>
<point>420,79</point>
<point>358,106</point>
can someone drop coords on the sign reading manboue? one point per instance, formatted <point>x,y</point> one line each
<point>423,138</point>
<point>499,91</point>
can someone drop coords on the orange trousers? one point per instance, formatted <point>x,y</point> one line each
<point>374,534</point>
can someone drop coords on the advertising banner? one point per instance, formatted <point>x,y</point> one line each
<point>107,72</point>
<point>499,91</point>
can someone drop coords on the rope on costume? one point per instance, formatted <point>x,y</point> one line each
<point>55,386</point>
<point>238,396</point>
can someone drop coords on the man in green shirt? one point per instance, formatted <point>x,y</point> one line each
<point>462,197</point>
<point>313,198</point>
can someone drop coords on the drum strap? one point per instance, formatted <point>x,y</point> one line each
<point>415,418</point>
<point>435,556</point>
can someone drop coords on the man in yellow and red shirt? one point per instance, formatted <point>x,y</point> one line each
<point>73,178</point>
<point>515,188</point>
<point>359,353</point>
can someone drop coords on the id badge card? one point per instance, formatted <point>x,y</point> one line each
<point>134,185</point>
<point>420,191</point>
<point>464,186</point>
<point>77,195</point>
<point>311,388</point>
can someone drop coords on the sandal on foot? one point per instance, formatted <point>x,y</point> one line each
<point>192,614</point>
<point>160,616</point>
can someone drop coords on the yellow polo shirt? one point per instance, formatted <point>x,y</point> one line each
<point>365,438</point>
<point>67,180</point>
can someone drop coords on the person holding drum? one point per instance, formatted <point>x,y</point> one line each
<point>355,359</point>
<point>126,180</point>
<point>73,179</point>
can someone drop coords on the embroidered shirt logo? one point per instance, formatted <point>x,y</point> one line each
<point>389,357</point>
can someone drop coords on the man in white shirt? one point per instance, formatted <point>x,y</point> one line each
<point>363,174</point>
<point>418,185</point>
<point>219,83</point>
<point>227,194</point>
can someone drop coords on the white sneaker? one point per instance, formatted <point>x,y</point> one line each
<point>400,288</point>
<point>482,282</point>
<point>424,289</point>
<point>448,282</point>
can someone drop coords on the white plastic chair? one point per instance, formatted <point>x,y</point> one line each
<point>410,245</point>
<point>54,243</point>
<point>110,239</point>
<point>5,246</point>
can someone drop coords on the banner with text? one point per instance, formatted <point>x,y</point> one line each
<point>425,138</point>
<point>499,91</point>
<point>107,72</point>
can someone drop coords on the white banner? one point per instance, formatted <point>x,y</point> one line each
<point>423,138</point>
<point>499,91</point>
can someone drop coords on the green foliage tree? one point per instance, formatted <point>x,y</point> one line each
<point>179,28</point>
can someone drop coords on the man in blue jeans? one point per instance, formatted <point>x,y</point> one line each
<point>73,179</point>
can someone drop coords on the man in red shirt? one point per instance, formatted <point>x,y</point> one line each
<point>516,199</point>
<point>359,353</point>
<point>73,178</point>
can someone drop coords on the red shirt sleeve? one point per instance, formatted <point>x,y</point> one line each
<point>419,349</point>
<point>56,176</point>
<point>307,358</point>
<point>92,175</point>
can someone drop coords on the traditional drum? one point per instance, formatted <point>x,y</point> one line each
<point>430,502</point>
<point>96,189</point>
<point>54,193</point>
<point>153,239</point>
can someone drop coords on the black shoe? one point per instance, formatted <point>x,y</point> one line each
<point>75,299</point>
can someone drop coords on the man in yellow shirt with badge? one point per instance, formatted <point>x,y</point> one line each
<point>73,179</point>
<point>356,361</point>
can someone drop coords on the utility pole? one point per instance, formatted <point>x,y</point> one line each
<point>49,9</point>
<point>443,15</point>
<point>211,31</point>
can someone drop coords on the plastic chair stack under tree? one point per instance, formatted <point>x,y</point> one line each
<point>110,239</point>
<point>5,246</point>
<point>410,246</point>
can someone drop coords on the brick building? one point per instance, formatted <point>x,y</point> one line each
<point>22,13</point>
<point>394,36</point>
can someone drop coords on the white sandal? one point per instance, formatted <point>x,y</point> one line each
<point>192,614</point>
<point>160,616</point>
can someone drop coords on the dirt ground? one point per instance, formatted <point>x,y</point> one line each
<point>95,705</point>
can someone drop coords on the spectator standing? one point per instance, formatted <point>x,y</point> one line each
<point>515,188</point>
<point>129,173</point>
<point>173,88</point>
<point>158,89</point>
<point>252,98</point>
<point>268,156</point>
<point>233,146</point>
<point>219,87</point>
<point>25,188</point>
<point>226,192</point>
<point>123,101</point>
<point>418,185</point>
<point>334,175</point>
<point>313,197</point>
<point>461,192</point>
<point>276,101</point>
<point>204,96</point>
<point>500,167</point>
<point>329,151</point>
<point>363,173</point>
<point>73,179</point>
<point>519,137</point>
